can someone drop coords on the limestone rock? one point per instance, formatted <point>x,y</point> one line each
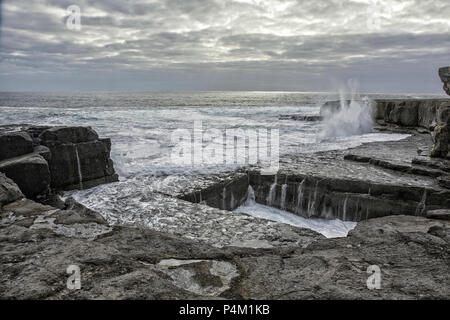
<point>9,191</point>
<point>30,172</point>
<point>444,74</point>
<point>441,139</point>
<point>79,159</point>
<point>13,144</point>
<point>61,135</point>
<point>439,214</point>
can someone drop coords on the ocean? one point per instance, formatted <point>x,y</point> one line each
<point>141,125</point>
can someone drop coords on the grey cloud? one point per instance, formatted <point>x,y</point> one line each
<point>233,44</point>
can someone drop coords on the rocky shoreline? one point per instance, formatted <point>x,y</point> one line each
<point>186,244</point>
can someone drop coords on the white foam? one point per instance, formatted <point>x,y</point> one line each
<point>329,228</point>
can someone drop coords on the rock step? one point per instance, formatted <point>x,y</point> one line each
<point>412,169</point>
<point>301,117</point>
<point>348,200</point>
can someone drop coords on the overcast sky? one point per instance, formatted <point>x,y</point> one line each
<point>283,45</point>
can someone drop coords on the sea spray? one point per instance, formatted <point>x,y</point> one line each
<point>272,192</point>
<point>312,201</point>
<point>300,196</point>
<point>353,117</point>
<point>345,208</point>
<point>250,197</point>
<point>283,197</point>
<point>232,202</point>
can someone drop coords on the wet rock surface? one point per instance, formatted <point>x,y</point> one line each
<point>152,208</point>
<point>134,263</point>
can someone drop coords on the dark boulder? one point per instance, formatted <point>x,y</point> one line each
<point>30,172</point>
<point>9,191</point>
<point>79,159</point>
<point>14,144</point>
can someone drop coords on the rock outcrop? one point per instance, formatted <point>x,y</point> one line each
<point>13,144</point>
<point>40,242</point>
<point>9,191</point>
<point>444,74</point>
<point>41,159</point>
<point>79,158</point>
<point>30,172</point>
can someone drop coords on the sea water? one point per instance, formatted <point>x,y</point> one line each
<point>140,127</point>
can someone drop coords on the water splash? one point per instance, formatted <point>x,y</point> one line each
<point>80,174</point>
<point>232,202</point>
<point>344,208</point>
<point>283,196</point>
<point>354,117</point>
<point>251,200</point>
<point>299,197</point>
<point>329,228</point>
<point>312,201</point>
<point>272,192</point>
<point>224,195</point>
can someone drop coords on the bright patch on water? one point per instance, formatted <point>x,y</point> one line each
<point>329,228</point>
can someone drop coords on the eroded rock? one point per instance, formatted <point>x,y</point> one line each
<point>14,144</point>
<point>9,190</point>
<point>30,172</point>
<point>444,74</point>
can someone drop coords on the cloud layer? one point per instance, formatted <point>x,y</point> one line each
<point>390,45</point>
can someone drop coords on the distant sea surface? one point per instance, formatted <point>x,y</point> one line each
<point>140,124</point>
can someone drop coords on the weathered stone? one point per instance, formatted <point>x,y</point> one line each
<point>44,152</point>
<point>439,214</point>
<point>59,135</point>
<point>403,113</point>
<point>74,166</point>
<point>135,263</point>
<point>444,181</point>
<point>444,74</point>
<point>14,144</point>
<point>9,191</point>
<point>441,140</point>
<point>30,172</point>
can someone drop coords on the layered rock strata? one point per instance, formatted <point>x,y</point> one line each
<point>41,159</point>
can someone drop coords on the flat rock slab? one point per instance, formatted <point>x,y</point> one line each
<point>146,207</point>
<point>136,263</point>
